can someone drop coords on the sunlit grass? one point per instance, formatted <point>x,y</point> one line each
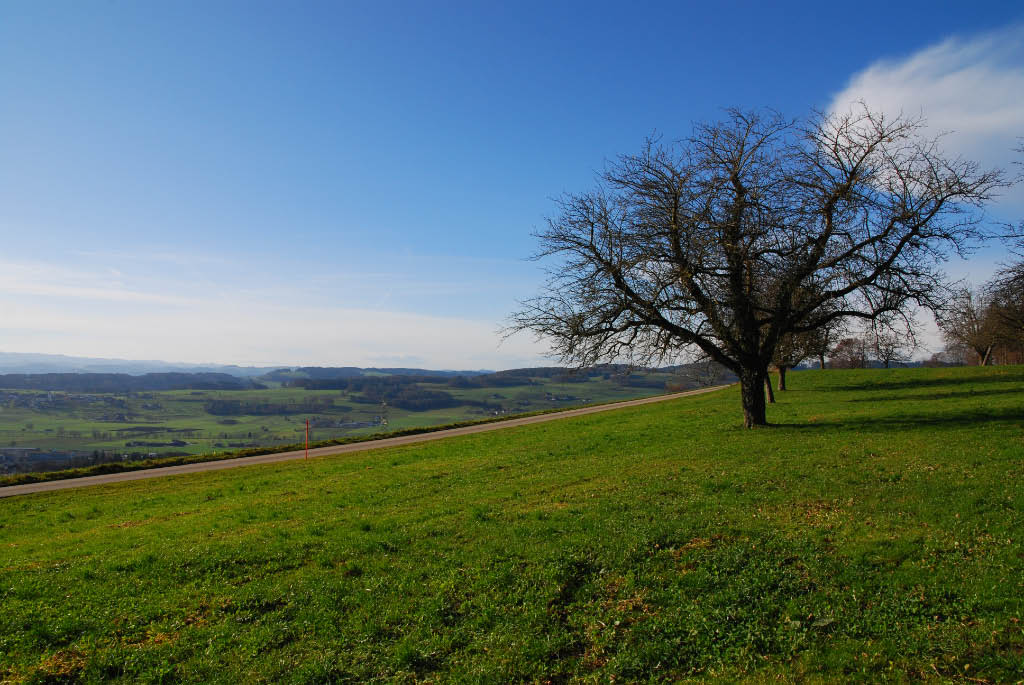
<point>872,533</point>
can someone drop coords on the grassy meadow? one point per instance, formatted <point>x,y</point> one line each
<point>873,534</point>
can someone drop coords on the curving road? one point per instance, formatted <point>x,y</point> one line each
<point>11,490</point>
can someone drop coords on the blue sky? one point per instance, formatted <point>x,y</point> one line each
<point>356,183</point>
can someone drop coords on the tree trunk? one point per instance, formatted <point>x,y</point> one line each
<point>821,361</point>
<point>985,358</point>
<point>782,379</point>
<point>752,396</point>
<point>768,389</point>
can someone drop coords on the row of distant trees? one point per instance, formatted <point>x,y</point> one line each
<point>980,326</point>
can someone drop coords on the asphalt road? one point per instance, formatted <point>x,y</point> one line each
<point>11,490</point>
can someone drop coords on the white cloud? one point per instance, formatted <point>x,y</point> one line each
<point>968,86</point>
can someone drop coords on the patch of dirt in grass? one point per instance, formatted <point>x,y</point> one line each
<point>129,524</point>
<point>152,637</point>
<point>698,543</point>
<point>630,607</point>
<point>31,566</point>
<point>681,553</point>
<point>821,513</point>
<point>815,513</point>
<point>154,519</point>
<point>61,666</point>
<point>621,613</point>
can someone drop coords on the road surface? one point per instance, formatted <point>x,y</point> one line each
<point>11,490</point>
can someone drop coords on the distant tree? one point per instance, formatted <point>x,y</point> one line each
<point>969,321</point>
<point>1006,294</point>
<point>889,342</point>
<point>952,355</point>
<point>1006,304</point>
<point>752,228</point>
<point>822,340</point>
<point>702,372</point>
<point>792,349</point>
<point>850,353</point>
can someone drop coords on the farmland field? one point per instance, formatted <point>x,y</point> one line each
<point>184,422</point>
<point>872,534</point>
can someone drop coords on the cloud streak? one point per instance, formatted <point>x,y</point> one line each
<point>56,309</point>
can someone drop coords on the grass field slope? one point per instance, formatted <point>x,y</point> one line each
<point>874,533</point>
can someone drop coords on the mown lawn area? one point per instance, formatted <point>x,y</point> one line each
<point>874,533</point>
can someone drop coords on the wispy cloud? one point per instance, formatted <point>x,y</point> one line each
<point>49,280</point>
<point>968,86</point>
<point>57,309</point>
<point>156,255</point>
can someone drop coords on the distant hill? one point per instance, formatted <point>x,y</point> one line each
<point>59,370</point>
<point>123,382</point>
<point>31,363</point>
<point>323,373</point>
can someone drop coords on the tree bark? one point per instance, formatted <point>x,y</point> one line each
<point>821,361</point>
<point>782,379</point>
<point>768,389</point>
<point>752,395</point>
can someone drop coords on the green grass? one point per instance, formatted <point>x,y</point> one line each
<point>872,534</point>
<point>162,462</point>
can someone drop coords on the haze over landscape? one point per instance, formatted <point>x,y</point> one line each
<point>356,184</point>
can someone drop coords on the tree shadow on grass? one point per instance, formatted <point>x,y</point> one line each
<point>1014,376</point>
<point>966,418</point>
<point>959,394</point>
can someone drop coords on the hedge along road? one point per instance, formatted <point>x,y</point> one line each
<point>199,467</point>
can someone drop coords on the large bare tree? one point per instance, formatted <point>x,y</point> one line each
<point>752,228</point>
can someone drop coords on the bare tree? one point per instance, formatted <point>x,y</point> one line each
<point>703,372</point>
<point>968,320</point>
<point>890,343</point>
<point>1005,292</point>
<point>792,349</point>
<point>822,340</point>
<point>1006,304</point>
<point>752,228</point>
<point>951,355</point>
<point>850,353</point>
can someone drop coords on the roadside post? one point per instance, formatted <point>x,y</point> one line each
<point>307,440</point>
